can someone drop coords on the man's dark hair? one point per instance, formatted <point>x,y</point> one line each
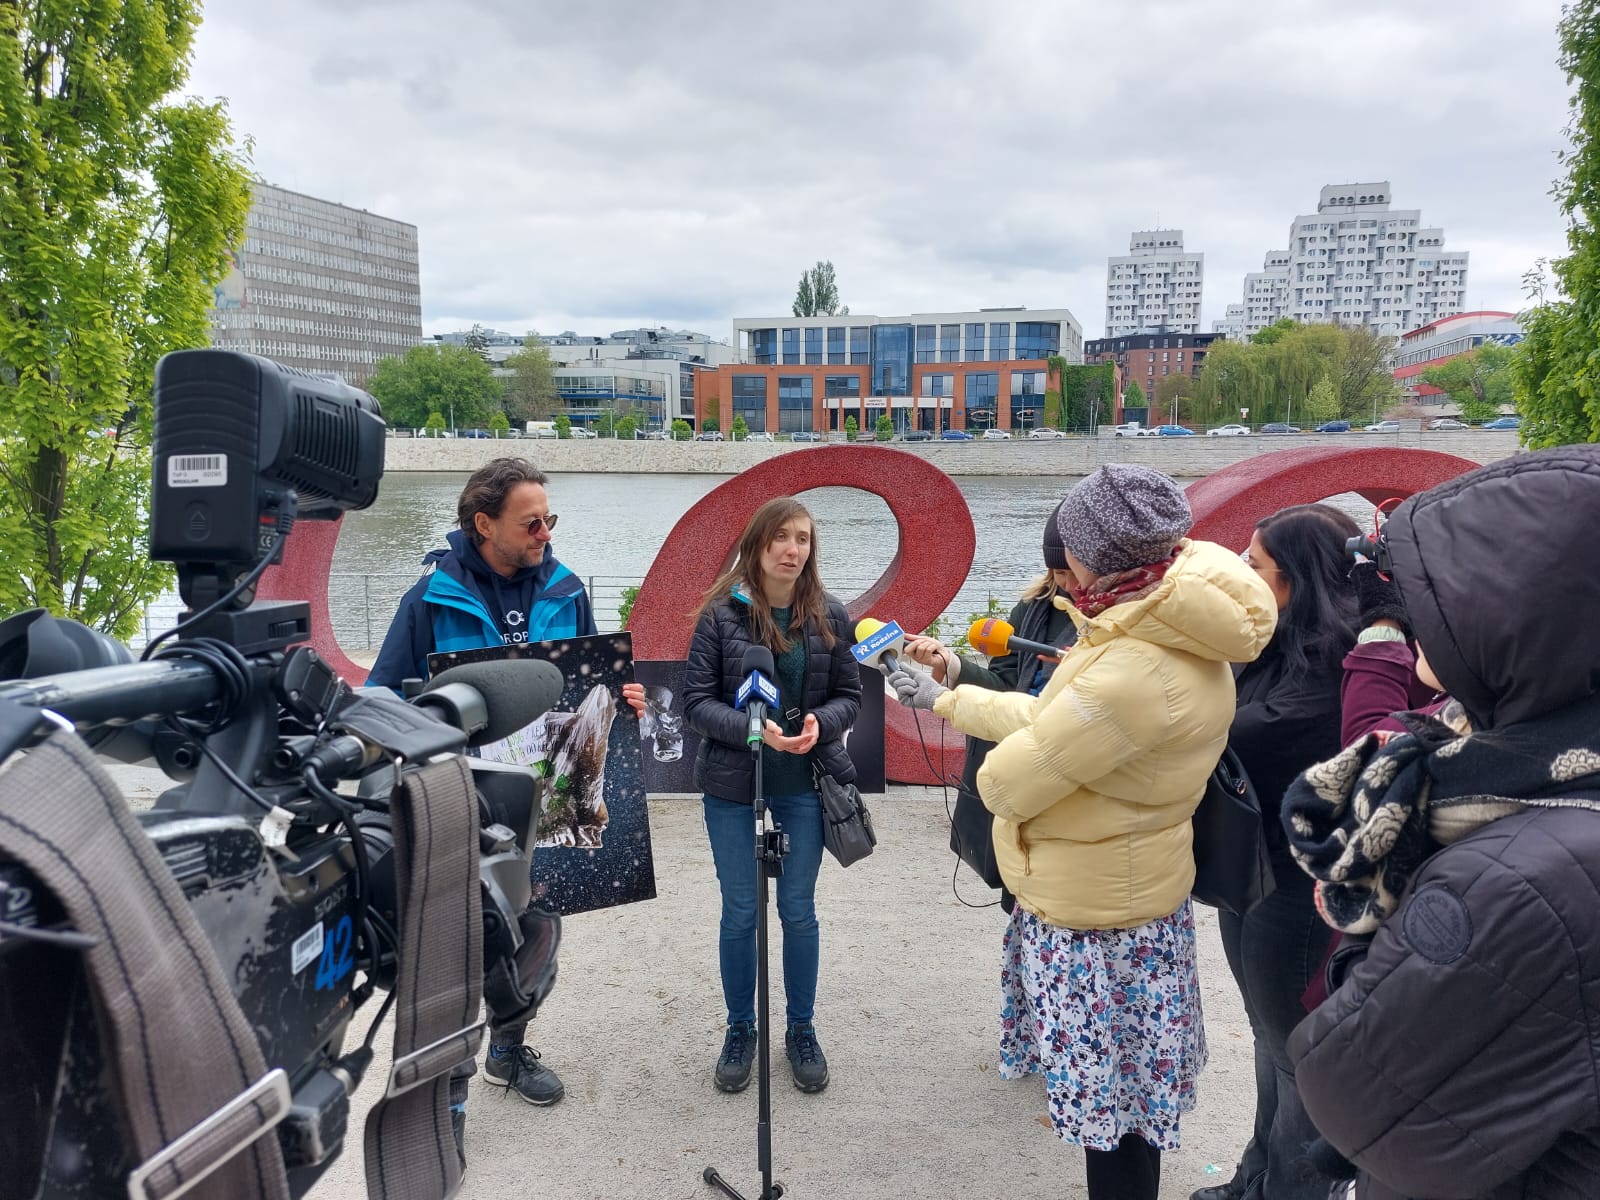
<point>488,488</point>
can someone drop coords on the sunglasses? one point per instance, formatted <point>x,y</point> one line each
<point>547,521</point>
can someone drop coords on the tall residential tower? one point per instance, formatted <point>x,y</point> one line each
<point>1155,287</point>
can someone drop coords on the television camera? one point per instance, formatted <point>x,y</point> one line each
<point>320,843</point>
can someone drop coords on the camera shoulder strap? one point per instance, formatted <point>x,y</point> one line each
<point>410,1150</point>
<point>193,1084</point>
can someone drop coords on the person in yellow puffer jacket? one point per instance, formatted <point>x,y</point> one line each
<point>1092,785</point>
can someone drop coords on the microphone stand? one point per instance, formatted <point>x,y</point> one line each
<point>770,847</point>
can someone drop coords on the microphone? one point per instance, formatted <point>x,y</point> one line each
<point>994,637</point>
<point>501,696</point>
<point>879,645</point>
<point>757,691</point>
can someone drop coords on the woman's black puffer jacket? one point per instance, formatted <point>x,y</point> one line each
<point>725,768</point>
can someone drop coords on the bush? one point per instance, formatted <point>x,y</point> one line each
<point>851,428</point>
<point>682,431</point>
<point>741,430</point>
<point>629,595</point>
<point>499,425</point>
<point>883,431</point>
<point>434,425</point>
<point>563,424</point>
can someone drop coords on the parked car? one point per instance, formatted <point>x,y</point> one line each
<point>1280,427</point>
<point>805,435</point>
<point>1044,432</point>
<point>1131,429</point>
<point>1171,431</point>
<point>1447,423</point>
<point>1334,427</point>
<point>1384,427</point>
<point>714,435</point>
<point>581,433</point>
<point>917,435</point>
<point>1229,431</point>
<point>996,435</point>
<point>1504,423</point>
<point>955,435</point>
<point>474,433</point>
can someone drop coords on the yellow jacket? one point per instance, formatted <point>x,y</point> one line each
<point>1094,781</point>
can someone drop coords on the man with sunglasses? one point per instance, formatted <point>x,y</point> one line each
<point>497,583</point>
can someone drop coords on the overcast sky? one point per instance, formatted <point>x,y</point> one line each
<point>617,163</point>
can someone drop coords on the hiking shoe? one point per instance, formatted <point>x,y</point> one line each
<point>806,1060</point>
<point>738,1055</point>
<point>520,1070</point>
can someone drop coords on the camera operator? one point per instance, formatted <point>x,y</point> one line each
<point>498,582</point>
<point>1465,848</point>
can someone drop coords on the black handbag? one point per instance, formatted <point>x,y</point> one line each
<point>846,824</point>
<point>1232,868</point>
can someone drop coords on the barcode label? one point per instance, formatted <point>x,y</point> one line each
<point>306,950</point>
<point>197,470</point>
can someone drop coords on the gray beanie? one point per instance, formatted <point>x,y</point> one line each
<point>1122,517</point>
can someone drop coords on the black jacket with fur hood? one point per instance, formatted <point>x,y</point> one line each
<point>1462,1057</point>
<point>725,767</point>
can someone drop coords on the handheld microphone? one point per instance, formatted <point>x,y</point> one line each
<point>995,637</point>
<point>879,645</point>
<point>511,693</point>
<point>757,691</point>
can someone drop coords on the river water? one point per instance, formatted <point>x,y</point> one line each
<point>612,527</point>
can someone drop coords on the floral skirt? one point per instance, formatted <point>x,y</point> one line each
<point>1111,1018</point>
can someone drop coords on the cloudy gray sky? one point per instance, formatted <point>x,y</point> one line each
<point>596,166</point>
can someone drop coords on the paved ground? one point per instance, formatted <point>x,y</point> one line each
<point>906,1012</point>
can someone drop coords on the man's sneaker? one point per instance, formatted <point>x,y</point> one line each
<point>806,1059</point>
<point>738,1054</point>
<point>520,1070</point>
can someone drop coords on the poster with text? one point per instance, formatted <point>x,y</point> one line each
<point>670,746</point>
<point>593,842</point>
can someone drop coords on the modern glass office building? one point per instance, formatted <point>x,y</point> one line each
<point>981,370</point>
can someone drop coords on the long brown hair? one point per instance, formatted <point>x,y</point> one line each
<point>810,601</point>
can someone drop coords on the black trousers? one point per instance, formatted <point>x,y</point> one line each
<point>1130,1172</point>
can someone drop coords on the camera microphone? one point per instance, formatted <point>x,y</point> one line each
<point>511,693</point>
<point>994,637</point>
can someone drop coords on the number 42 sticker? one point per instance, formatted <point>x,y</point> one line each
<point>336,961</point>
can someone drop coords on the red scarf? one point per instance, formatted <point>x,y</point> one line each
<point>1119,588</point>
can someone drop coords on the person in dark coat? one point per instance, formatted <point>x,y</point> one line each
<point>772,596</point>
<point>1459,1057</point>
<point>1287,719</point>
<point>1041,615</point>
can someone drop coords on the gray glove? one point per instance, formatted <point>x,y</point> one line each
<point>915,689</point>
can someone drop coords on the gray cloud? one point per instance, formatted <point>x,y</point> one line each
<point>631,162</point>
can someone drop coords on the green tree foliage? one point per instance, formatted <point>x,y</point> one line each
<point>530,389</point>
<point>1322,403</point>
<point>605,424</point>
<point>710,422</point>
<point>434,425</point>
<point>682,431</point>
<point>625,608</point>
<point>883,431</point>
<point>1173,393</point>
<point>1052,409</point>
<point>1557,385</point>
<point>1274,379</point>
<point>741,429</point>
<point>563,424</point>
<point>120,206</point>
<point>627,426</point>
<point>1087,391</point>
<point>818,294</point>
<point>435,378</point>
<point>1275,332</point>
<point>498,425</point>
<point>1478,382</point>
<point>851,428</point>
<point>1133,395</point>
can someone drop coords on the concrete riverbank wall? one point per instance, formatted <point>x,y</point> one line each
<point>1189,457</point>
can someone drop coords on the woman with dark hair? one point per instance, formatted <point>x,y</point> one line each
<point>771,596</point>
<point>1287,719</point>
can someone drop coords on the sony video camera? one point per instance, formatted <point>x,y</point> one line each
<point>278,827</point>
<point>1374,546</point>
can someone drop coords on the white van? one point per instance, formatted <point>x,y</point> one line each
<point>541,429</point>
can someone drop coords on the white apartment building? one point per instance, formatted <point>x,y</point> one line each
<point>1357,262</point>
<point>1155,287</point>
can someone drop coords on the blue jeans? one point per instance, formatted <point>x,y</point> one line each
<point>731,828</point>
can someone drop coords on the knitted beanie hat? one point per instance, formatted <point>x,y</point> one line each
<point>1122,517</point>
<point>1055,554</point>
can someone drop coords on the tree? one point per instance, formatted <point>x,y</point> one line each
<point>1172,396</point>
<point>883,431</point>
<point>1478,382</point>
<point>741,429</point>
<point>682,431</point>
<point>818,294</point>
<point>1322,404</point>
<point>443,378</point>
<point>478,342</point>
<point>1270,379</point>
<point>530,389</point>
<point>851,428</point>
<point>1133,395</point>
<point>626,426</point>
<point>434,425</point>
<point>498,425</point>
<point>1274,332</point>
<point>710,422</point>
<point>563,424</point>
<point>119,210</point>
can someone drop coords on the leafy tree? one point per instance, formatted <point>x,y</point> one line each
<point>627,426</point>
<point>883,431</point>
<point>434,425</point>
<point>818,294</point>
<point>1133,395</point>
<point>606,424</point>
<point>1273,378</point>
<point>1172,396</point>
<point>1087,391</point>
<point>119,208</point>
<point>851,428</point>
<point>435,378</point>
<point>498,425</point>
<point>625,608</point>
<point>563,424</point>
<point>478,342</point>
<point>1275,332</point>
<point>1322,404</point>
<point>682,431</point>
<point>530,389</point>
<point>1478,382</point>
<point>741,430</point>
<point>710,422</point>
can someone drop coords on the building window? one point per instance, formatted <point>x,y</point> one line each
<point>974,350</point>
<point>794,403</point>
<point>999,341</point>
<point>949,343</point>
<point>764,346</point>
<point>938,385</point>
<point>891,359</point>
<point>842,385</point>
<point>983,397</point>
<point>860,345</point>
<point>1038,339</point>
<point>750,400</point>
<point>836,352</point>
<point>814,347</point>
<point>791,346</point>
<point>927,345</point>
